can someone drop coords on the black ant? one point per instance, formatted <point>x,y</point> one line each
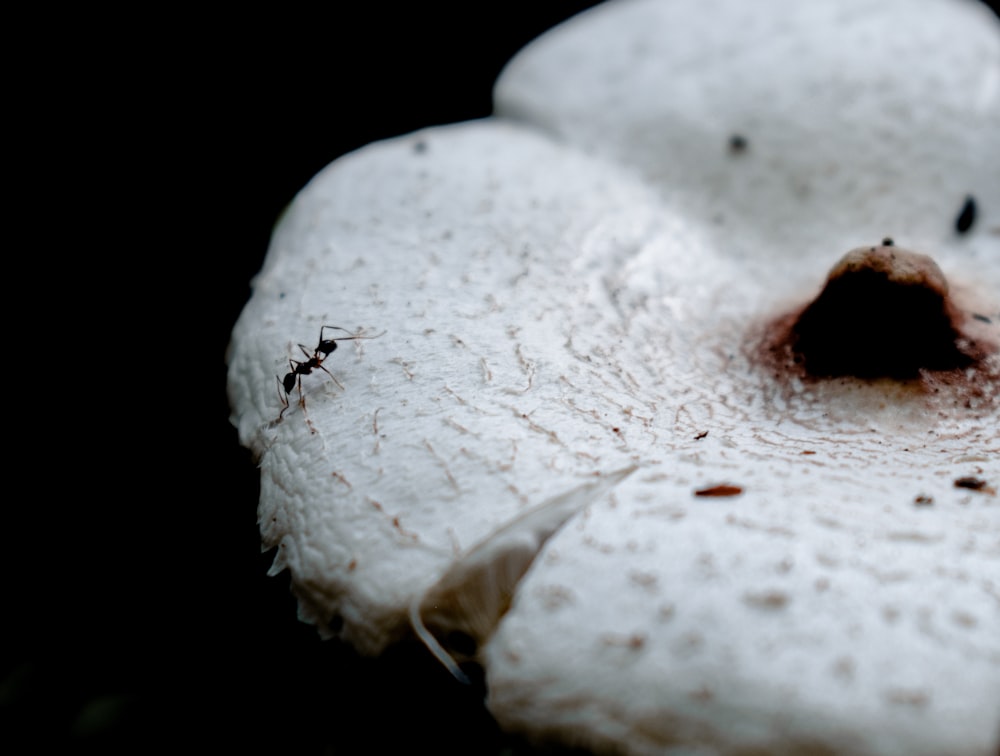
<point>297,368</point>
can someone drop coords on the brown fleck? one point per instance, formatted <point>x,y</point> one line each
<point>352,565</point>
<point>341,479</point>
<point>403,531</point>
<point>974,484</point>
<point>964,619</point>
<point>634,641</point>
<point>923,500</point>
<point>701,435</point>
<point>916,698</point>
<point>720,490</point>
<point>645,580</point>
<point>703,694</point>
<point>844,668</point>
<point>555,596</point>
<point>767,600</point>
<point>808,451</point>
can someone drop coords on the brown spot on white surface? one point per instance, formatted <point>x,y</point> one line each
<point>770,600</point>
<point>915,698</point>
<point>974,484</point>
<point>720,490</point>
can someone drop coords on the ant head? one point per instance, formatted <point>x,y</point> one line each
<point>326,346</point>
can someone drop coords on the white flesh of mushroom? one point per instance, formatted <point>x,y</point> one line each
<point>550,317</point>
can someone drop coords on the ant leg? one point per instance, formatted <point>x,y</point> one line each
<point>353,335</point>
<point>332,376</point>
<point>305,415</point>
<point>302,397</point>
<point>285,386</point>
<point>338,328</point>
<point>282,399</point>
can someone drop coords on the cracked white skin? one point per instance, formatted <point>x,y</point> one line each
<point>550,316</point>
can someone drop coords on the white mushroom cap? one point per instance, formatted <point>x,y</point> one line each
<point>861,118</point>
<point>561,330</point>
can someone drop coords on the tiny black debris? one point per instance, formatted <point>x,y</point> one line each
<point>887,241</point>
<point>738,144</point>
<point>983,318</point>
<point>967,215</point>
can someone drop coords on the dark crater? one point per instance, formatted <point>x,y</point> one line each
<point>884,312</point>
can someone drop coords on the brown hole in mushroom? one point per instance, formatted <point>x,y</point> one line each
<point>884,312</point>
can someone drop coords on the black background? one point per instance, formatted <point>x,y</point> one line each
<point>137,613</point>
<point>149,624</point>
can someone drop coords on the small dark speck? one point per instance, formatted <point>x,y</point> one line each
<point>738,144</point>
<point>966,216</point>
<point>701,435</point>
<point>923,500</point>
<point>420,147</point>
<point>976,484</point>
<point>767,600</point>
<point>281,295</point>
<point>983,318</point>
<point>723,490</point>
<point>887,241</point>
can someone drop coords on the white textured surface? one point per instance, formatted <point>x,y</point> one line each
<point>479,269</point>
<point>863,118</point>
<point>550,316</point>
